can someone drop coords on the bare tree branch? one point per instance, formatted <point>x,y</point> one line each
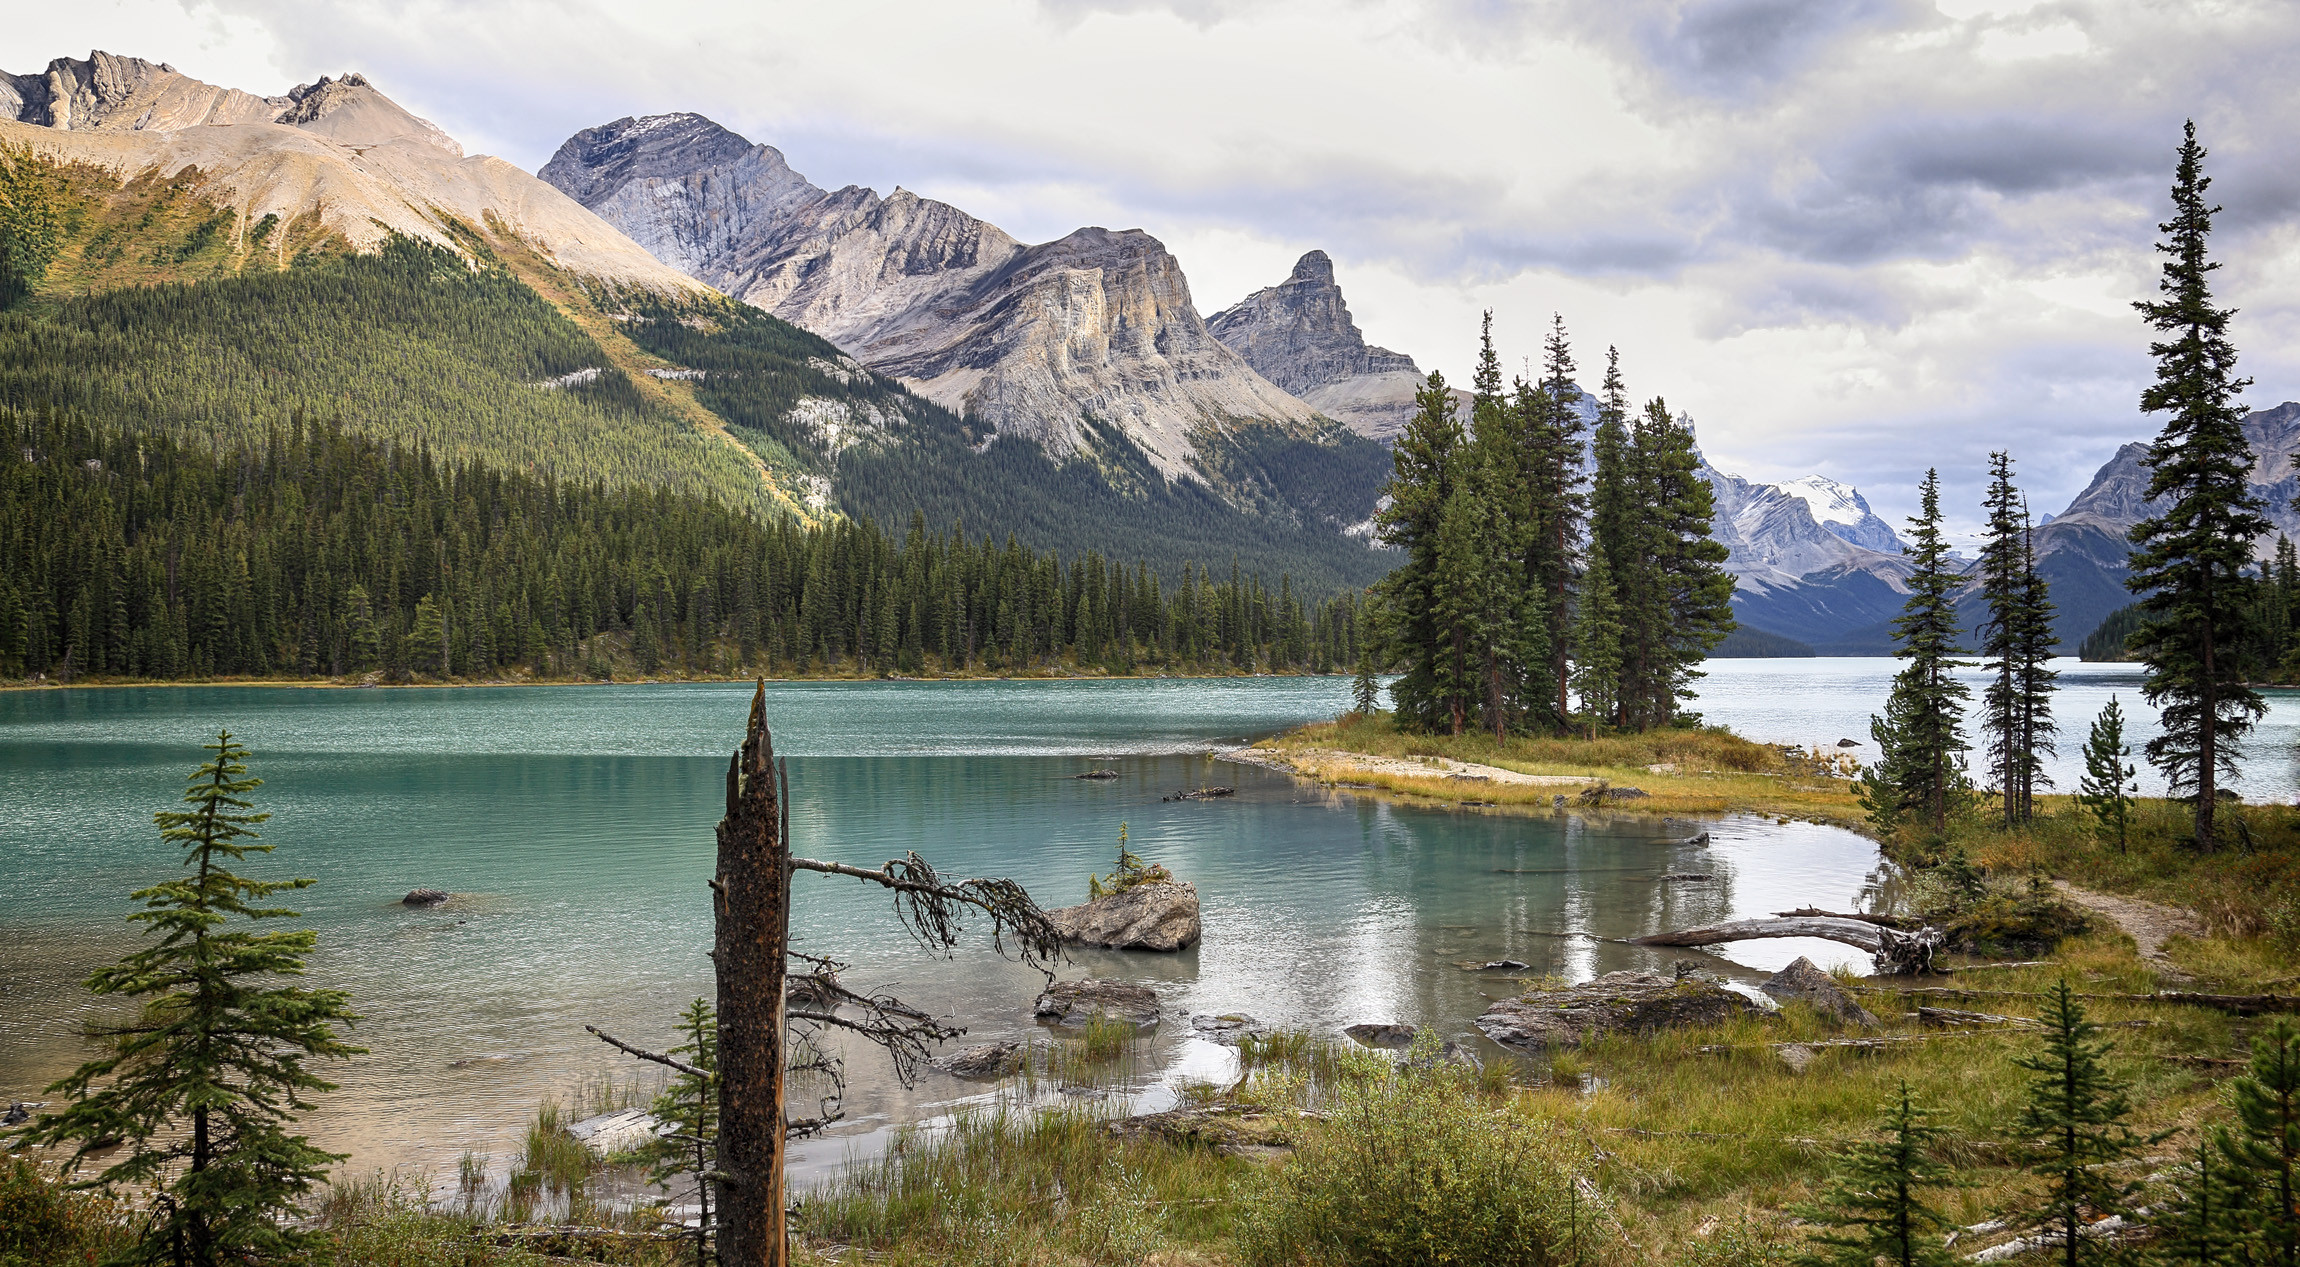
<point>930,908</point>
<point>643,1054</point>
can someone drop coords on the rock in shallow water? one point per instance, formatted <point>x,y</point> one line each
<point>989,1061</point>
<point>1072,1003</point>
<point>424,897</point>
<point>1145,917</point>
<point>1616,1003</point>
<point>1394,1037</point>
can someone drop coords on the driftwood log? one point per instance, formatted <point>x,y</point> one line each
<point>1896,953</point>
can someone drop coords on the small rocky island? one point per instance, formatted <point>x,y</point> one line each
<point>1137,906</point>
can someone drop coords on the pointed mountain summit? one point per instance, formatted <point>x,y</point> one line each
<point>1069,343</point>
<point>1299,335</point>
<point>335,159</point>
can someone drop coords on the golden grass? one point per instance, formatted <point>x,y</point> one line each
<point>1708,771</point>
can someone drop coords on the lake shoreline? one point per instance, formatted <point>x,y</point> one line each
<point>346,684</point>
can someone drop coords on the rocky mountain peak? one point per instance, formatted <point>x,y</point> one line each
<point>1316,268</point>
<point>1034,340</point>
<point>1299,335</point>
<point>596,162</point>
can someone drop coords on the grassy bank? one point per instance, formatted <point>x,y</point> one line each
<point>1709,771</point>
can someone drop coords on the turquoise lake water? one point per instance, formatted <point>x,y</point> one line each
<point>575,826</point>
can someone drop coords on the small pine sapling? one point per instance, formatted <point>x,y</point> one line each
<point>689,1111</point>
<point>2208,1220</point>
<point>1365,692</point>
<point>2266,1141</point>
<point>1874,1206</point>
<point>2107,785</point>
<point>2074,1135</point>
<point>1129,873</point>
<point>203,1083</point>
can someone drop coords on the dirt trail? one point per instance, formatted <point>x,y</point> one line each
<point>2147,923</point>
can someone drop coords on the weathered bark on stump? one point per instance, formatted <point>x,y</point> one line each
<point>751,952</point>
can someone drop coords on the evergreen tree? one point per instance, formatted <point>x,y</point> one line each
<point>2107,785</point>
<point>1553,428</point>
<point>1920,768</point>
<point>1466,607</point>
<point>2074,1134</point>
<point>1428,459</point>
<point>1365,691</point>
<point>1874,1206</point>
<point>2016,636</point>
<point>2266,1140</point>
<point>2188,561</point>
<point>2208,1221</point>
<point>689,1108</point>
<point>31,221</point>
<point>1511,641</point>
<point>1689,609</point>
<point>204,1083</point>
<point>1619,535</point>
<point>429,636</point>
<point>1597,644</point>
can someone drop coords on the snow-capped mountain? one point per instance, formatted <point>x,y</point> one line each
<point>1840,509</point>
<point>1799,575</point>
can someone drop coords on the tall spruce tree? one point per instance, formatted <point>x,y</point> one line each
<point>1875,1207</point>
<point>2188,560</point>
<point>2266,1141</point>
<point>1511,640</point>
<point>1688,605</point>
<point>1597,642</point>
<point>1920,768</point>
<point>2016,638</point>
<point>2074,1135</point>
<point>1554,428</point>
<point>1427,460</point>
<point>204,1082</point>
<point>1619,507</point>
<point>2107,787</point>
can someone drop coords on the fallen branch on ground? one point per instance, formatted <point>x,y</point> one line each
<point>1896,953</point>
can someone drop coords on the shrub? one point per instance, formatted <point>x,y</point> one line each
<point>43,1222</point>
<point>1412,1165</point>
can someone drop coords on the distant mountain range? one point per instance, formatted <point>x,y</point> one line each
<point>1839,596</point>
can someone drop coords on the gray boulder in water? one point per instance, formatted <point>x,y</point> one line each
<point>1072,1003</point>
<point>1804,980</point>
<point>424,897</point>
<point>1145,917</point>
<point>988,1061</point>
<point>1616,1003</point>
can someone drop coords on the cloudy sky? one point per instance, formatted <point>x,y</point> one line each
<point>1858,237</point>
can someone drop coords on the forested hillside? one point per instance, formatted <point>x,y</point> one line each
<point>322,552</point>
<point>885,453</point>
<point>146,310</point>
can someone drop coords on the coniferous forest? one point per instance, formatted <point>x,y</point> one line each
<point>322,552</point>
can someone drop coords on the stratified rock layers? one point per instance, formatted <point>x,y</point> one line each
<point>1045,342</point>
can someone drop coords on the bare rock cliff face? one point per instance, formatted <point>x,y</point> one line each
<point>337,150</point>
<point>1299,335</point>
<point>1043,341</point>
